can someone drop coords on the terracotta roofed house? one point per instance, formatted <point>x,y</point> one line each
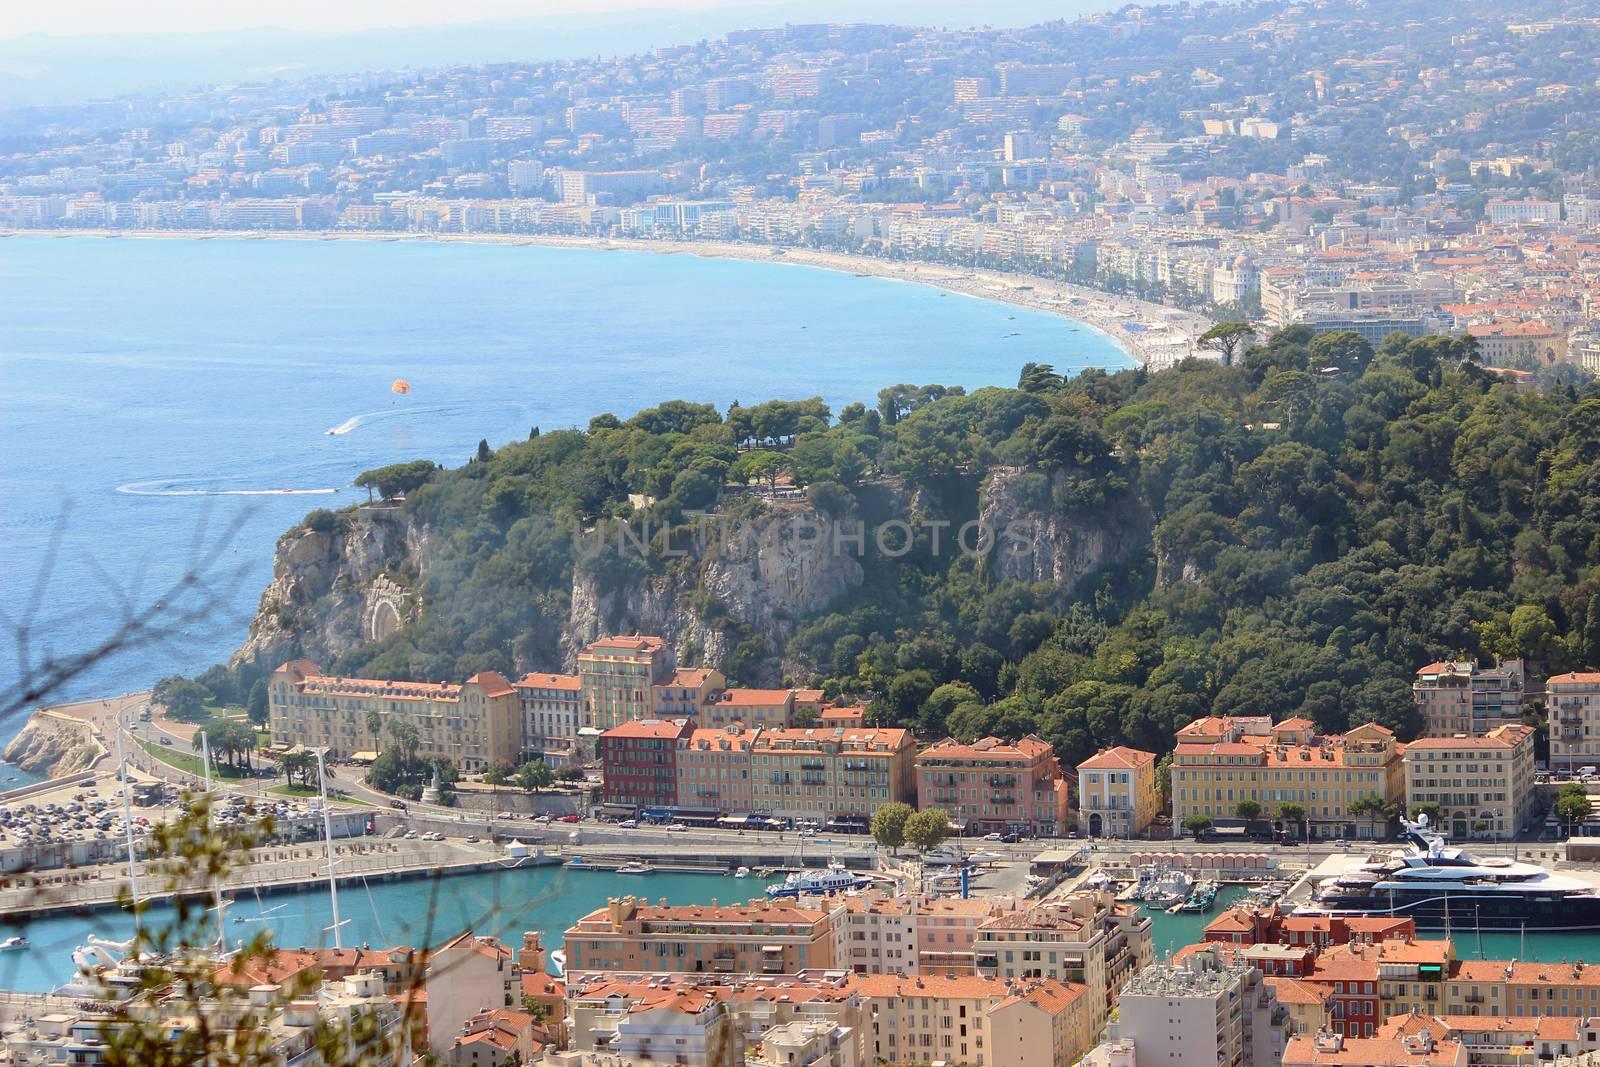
<point>995,786</point>
<point>1117,794</point>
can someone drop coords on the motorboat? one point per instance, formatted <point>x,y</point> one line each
<point>558,962</point>
<point>742,872</point>
<point>15,944</point>
<point>635,867</point>
<point>1436,884</point>
<point>1173,887</point>
<point>817,883</point>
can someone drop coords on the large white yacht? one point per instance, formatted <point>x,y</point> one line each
<point>1439,885</point>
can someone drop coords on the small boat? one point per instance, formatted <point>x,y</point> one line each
<point>1200,900</point>
<point>558,960</point>
<point>14,944</point>
<point>742,872</point>
<point>1171,888</point>
<point>635,867</point>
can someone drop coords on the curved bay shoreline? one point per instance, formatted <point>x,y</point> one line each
<point>1159,336</point>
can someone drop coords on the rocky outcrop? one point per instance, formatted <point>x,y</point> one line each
<point>764,572</point>
<point>1034,541</point>
<point>53,745</point>
<point>334,590</point>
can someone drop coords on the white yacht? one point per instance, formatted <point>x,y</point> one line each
<point>1437,885</point>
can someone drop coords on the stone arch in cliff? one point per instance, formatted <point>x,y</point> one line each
<point>383,619</point>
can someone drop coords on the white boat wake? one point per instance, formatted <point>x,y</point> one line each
<point>186,487</point>
<point>366,418</point>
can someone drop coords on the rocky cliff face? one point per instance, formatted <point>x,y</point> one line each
<point>765,574</point>
<point>333,591</point>
<point>53,745</point>
<point>1035,542</point>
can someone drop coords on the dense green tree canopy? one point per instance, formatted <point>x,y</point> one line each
<point>1305,528</point>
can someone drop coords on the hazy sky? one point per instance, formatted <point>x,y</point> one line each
<point>166,16</point>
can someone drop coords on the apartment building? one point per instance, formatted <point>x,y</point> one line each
<point>879,935</point>
<point>1460,697</point>
<point>761,937</point>
<point>475,725</point>
<point>686,692</point>
<point>639,761</point>
<point>617,677</point>
<point>1330,1049</point>
<point>1205,1011</point>
<point>986,1022</point>
<point>773,708</point>
<point>713,769</point>
<point>550,705</point>
<point>710,1021</point>
<point>1483,785</point>
<point>1117,794</point>
<point>1220,761</point>
<point>995,786</point>
<point>834,776</point>
<point>947,928</point>
<point>1572,701</point>
<point>1088,939</point>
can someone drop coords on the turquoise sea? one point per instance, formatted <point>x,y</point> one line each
<point>549,900</point>
<point>384,914</point>
<point>157,391</point>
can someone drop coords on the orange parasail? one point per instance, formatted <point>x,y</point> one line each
<point>400,386</point>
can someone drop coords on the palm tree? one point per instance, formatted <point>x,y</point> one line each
<point>374,727</point>
<point>406,739</point>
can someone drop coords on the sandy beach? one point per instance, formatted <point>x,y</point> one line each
<point>1151,334</point>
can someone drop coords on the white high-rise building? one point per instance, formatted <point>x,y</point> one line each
<point>1207,1011</point>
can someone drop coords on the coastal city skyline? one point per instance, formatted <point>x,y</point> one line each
<point>757,536</point>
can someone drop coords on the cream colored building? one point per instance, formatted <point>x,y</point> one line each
<point>475,725</point>
<point>632,1020</point>
<point>831,774</point>
<point>1572,703</point>
<point>985,1022</point>
<point>1088,939</point>
<point>1220,761</point>
<point>1483,785</point>
<point>1117,795</point>
<point>617,677</point>
<point>761,937</point>
<point>550,718</point>
<point>879,934</point>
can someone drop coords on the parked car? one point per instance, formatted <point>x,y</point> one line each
<point>626,824</point>
<point>1012,838</point>
<point>677,827</point>
<point>807,832</point>
<point>473,839</point>
<point>398,805</point>
<point>165,740</point>
<point>994,837</point>
<point>572,818</point>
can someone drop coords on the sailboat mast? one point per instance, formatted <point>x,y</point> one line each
<point>216,893</point>
<point>127,823</point>
<point>327,838</point>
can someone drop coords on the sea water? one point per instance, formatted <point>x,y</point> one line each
<point>166,398</point>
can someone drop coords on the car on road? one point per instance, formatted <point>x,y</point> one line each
<point>506,815</point>
<point>807,832</point>
<point>398,805</point>
<point>473,839</point>
<point>628,824</point>
<point>573,818</point>
<point>165,740</point>
<point>1010,839</point>
<point>676,828</point>
<point>1341,843</point>
<point>410,835</point>
<point>542,817</point>
<point>994,837</point>
<point>433,835</point>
